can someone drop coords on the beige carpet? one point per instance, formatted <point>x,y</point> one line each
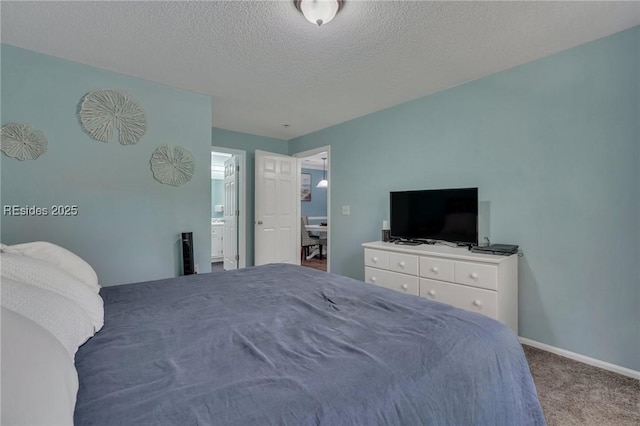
<point>572,393</point>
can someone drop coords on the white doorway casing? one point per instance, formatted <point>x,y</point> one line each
<point>241,218</point>
<point>230,233</point>
<point>315,152</point>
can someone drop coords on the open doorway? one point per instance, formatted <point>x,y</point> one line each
<point>315,186</point>
<point>228,216</point>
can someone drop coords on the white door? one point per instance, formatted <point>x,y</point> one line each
<point>230,230</point>
<point>277,204</point>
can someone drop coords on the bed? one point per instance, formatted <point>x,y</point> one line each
<point>285,345</point>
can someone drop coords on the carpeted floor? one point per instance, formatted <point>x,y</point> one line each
<point>573,393</point>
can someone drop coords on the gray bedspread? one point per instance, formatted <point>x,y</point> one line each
<point>286,345</point>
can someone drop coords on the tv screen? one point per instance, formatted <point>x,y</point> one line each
<point>436,214</point>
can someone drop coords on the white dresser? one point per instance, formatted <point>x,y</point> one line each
<point>483,283</point>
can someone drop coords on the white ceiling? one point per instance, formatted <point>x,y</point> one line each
<point>315,162</point>
<point>265,66</point>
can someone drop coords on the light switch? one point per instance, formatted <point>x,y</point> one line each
<point>346,210</point>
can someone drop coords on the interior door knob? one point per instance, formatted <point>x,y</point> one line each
<point>259,222</point>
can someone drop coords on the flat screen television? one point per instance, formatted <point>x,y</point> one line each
<point>435,214</point>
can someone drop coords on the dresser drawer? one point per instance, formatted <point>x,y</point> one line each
<point>468,298</point>
<point>392,280</point>
<point>404,263</point>
<point>436,268</point>
<point>476,275</point>
<point>376,258</point>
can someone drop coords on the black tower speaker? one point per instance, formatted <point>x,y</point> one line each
<point>188,267</point>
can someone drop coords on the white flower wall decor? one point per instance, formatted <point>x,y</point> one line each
<point>21,141</point>
<point>172,167</point>
<point>103,111</point>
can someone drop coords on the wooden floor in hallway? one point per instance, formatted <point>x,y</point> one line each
<point>315,263</point>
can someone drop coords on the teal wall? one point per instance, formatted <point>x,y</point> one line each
<point>248,143</point>
<point>318,204</point>
<point>554,147</point>
<point>128,226</point>
<point>217,197</point>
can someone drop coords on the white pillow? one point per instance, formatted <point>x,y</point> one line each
<point>39,379</point>
<point>60,257</point>
<point>62,317</point>
<point>47,276</point>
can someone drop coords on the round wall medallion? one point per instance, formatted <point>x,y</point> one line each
<point>172,168</point>
<point>22,142</point>
<point>102,111</point>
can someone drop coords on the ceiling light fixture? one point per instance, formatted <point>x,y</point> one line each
<point>323,183</point>
<point>319,11</point>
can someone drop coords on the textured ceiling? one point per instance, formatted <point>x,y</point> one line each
<point>264,65</point>
<point>315,161</point>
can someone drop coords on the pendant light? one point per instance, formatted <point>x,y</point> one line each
<point>319,11</point>
<point>323,183</point>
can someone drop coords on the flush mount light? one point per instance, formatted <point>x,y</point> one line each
<point>319,11</point>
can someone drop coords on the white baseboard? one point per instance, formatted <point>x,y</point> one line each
<point>583,359</point>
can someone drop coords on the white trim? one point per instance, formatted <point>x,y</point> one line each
<point>327,149</point>
<point>582,358</point>
<point>298,206</point>
<point>242,201</point>
<point>311,167</point>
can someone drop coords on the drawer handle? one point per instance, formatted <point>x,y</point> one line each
<point>373,279</point>
<point>404,286</point>
<point>477,303</point>
<point>474,275</point>
<point>374,259</point>
<point>432,293</point>
<point>401,264</point>
<point>434,269</point>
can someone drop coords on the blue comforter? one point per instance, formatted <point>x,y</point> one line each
<point>286,345</point>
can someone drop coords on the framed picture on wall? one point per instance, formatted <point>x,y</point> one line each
<point>305,187</point>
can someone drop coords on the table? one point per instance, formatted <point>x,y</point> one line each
<point>322,229</point>
<point>316,228</point>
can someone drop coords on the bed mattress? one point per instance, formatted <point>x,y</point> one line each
<point>285,345</point>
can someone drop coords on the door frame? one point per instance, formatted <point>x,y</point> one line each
<point>230,249</point>
<point>308,153</point>
<point>242,201</point>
